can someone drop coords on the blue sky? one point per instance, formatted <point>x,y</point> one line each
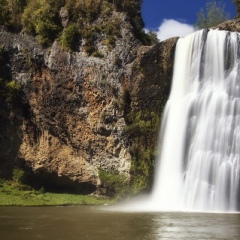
<point>175,15</point>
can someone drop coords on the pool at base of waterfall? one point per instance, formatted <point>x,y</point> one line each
<point>97,223</point>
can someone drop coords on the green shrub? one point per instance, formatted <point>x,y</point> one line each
<point>106,9</point>
<point>87,9</point>
<point>70,37</point>
<point>142,121</point>
<point>150,37</point>
<point>117,183</point>
<point>28,18</point>
<point>12,91</point>
<point>41,17</point>
<point>46,32</point>
<point>18,175</point>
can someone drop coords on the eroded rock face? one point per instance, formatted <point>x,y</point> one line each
<point>70,123</point>
<point>152,73</point>
<point>73,125</point>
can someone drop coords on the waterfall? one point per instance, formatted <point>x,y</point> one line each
<point>199,164</point>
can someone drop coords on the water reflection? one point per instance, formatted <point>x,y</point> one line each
<point>92,223</point>
<point>196,226</point>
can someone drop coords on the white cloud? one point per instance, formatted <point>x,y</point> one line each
<point>172,28</point>
<point>146,30</point>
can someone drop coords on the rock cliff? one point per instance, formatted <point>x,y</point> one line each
<point>76,115</point>
<point>70,119</point>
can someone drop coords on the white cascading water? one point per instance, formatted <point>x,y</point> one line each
<point>199,164</point>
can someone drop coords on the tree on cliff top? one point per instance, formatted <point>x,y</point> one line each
<point>212,15</point>
<point>237,4</point>
<point>41,18</point>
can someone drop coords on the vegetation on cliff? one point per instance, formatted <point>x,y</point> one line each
<point>143,126</point>
<point>213,14</point>
<point>237,4</point>
<point>10,91</point>
<point>74,22</point>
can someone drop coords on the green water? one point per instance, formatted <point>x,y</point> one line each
<point>92,223</point>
